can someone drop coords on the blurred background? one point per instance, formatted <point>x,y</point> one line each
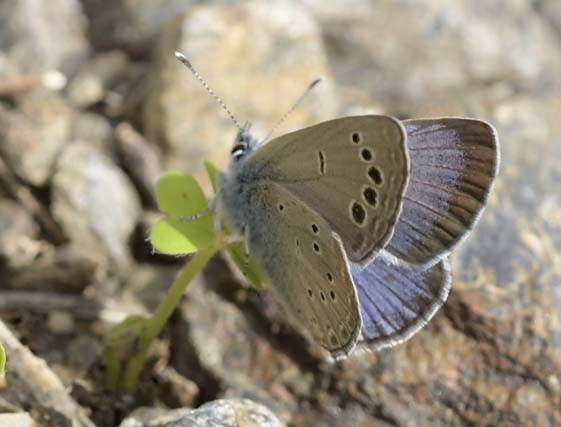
<point>94,107</point>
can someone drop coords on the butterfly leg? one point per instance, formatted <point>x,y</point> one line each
<point>210,208</point>
<point>198,215</point>
<point>246,250</point>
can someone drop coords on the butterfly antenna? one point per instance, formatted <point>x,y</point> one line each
<point>186,62</point>
<point>296,104</point>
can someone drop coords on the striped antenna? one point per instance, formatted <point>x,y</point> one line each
<point>296,104</point>
<point>186,62</point>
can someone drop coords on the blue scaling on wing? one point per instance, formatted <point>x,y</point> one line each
<point>453,165</point>
<point>396,301</point>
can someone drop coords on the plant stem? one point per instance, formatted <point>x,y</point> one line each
<point>2,360</point>
<point>155,324</point>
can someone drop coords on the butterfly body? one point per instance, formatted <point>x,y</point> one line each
<point>301,238</point>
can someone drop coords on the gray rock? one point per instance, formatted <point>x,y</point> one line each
<point>66,269</point>
<point>38,36</point>
<point>183,116</point>
<point>16,420</point>
<point>83,352</point>
<point>18,235</point>
<point>131,24</point>
<point>95,202</point>
<point>95,77</point>
<point>176,390</point>
<point>60,322</point>
<point>551,11</point>
<point>33,136</point>
<point>224,413</point>
<point>85,90</point>
<point>94,130</point>
<point>440,51</point>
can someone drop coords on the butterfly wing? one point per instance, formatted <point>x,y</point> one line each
<point>397,301</point>
<point>306,265</point>
<point>453,165</point>
<point>352,171</point>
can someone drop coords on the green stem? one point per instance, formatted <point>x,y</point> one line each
<point>155,324</point>
<point>2,360</point>
<point>111,369</point>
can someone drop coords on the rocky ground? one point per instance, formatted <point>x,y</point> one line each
<point>94,106</point>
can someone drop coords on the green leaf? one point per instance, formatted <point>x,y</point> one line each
<point>2,359</point>
<point>180,195</point>
<point>253,273</point>
<point>212,172</point>
<point>180,237</point>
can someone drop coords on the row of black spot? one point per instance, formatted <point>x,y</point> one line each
<point>322,295</point>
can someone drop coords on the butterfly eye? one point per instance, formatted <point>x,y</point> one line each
<point>239,149</point>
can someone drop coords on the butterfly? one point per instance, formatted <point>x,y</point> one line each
<point>352,219</point>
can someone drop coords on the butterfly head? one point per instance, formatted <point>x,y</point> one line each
<point>244,144</point>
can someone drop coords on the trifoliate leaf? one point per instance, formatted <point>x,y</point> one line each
<point>175,236</point>
<point>212,172</point>
<point>180,196</point>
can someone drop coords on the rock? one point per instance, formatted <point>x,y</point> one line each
<point>175,389</point>
<point>85,90</point>
<point>441,51</point>
<point>16,420</point>
<point>140,159</point>
<point>32,137</point>
<point>65,269</point>
<point>225,412</point>
<point>83,352</point>
<point>60,322</point>
<point>551,11</point>
<point>95,77</point>
<point>228,44</point>
<point>38,36</point>
<point>94,130</point>
<point>18,236</point>
<point>95,203</point>
<point>132,25</point>
<point>38,388</point>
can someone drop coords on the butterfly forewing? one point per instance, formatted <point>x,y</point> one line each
<point>306,265</point>
<point>454,162</point>
<point>352,171</point>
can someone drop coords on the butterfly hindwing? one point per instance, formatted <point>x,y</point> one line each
<point>396,301</point>
<point>306,266</point>
<point>352,171</point>
<point>453,165</point>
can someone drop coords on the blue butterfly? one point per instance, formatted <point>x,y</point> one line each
<point>352,219</point>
